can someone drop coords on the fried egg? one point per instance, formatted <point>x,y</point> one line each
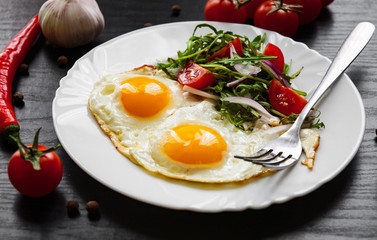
<point>129,105</point>
<point>197,144</point>
<point>152,122</point>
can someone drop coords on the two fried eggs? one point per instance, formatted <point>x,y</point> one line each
<point>155,124</point>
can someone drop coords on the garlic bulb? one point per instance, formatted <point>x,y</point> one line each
<point>71,23</point>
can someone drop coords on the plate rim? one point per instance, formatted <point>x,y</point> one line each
<point>190,208</point>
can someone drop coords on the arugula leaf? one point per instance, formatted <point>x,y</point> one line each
<point>201,48</point>
<point>243,60</point>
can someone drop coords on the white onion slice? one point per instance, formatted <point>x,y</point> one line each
<point>266,64</point>
<point>200,92</point>
<point>236,82</point>
<point>254,104</point>
<point>247,69</point>
<point>232,50</point>
<point>249,102</point>
<point>277,74</point>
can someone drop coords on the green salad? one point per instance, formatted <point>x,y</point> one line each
<point>248,79</point>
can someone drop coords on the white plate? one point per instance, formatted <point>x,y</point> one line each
<point>85,143</point>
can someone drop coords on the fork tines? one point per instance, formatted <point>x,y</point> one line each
<point>270,160</point>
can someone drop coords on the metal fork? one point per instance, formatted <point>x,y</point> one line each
<point>286,150</point>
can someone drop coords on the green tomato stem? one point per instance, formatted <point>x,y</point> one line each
<point>32,154</point>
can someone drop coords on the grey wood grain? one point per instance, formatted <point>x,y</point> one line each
<point>344,208</point>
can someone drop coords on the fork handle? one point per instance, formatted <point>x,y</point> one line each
<point>350,49</point>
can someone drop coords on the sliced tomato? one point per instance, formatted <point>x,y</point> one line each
<point>195,76</point>
<point>225,51</point>
<point>273,50</point>
<point>284,99</point>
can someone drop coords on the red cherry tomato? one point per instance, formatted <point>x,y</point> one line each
<point>273,50</point>
<point>282,21</point>
<point>31,182</point>
<point>310,9</point>
<point>195,76</point>
<point>284,99</point>
<point>224,11</point>
<point>225,51</point>
<point>251,7</point>
<point>325,3</point>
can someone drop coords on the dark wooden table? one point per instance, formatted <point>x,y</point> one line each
<point>345,207</point>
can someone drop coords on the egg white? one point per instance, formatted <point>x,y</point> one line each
<point>141,140</point>
<point>125,129</point>
<point>230,169</point>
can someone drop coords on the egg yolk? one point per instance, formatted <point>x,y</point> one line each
<point>143,96</point>
<point>194,145</point>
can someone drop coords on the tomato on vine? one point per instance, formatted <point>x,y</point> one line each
<point>35,170</point>
<point>251,6</point>
<point>277,16</point>
<point>325,3</point>
<point>224,11</point>
<point>309,11</point>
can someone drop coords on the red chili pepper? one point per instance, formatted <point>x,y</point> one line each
<point>10,59</point>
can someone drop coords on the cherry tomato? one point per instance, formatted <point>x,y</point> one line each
<point>282,21</point>
<point>225,51</point>
<point>325,3</point>
<point>224,11</point>
<point>273,50</point>
<point>310,9</point>
<point>284,99</point>
<point>195,76</point>
<point>251,7</point>
<point>31,182</point>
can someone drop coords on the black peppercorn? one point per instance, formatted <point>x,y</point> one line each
<point>93,210</point>
<point>24,68</point>
<point>175,10</point>
<point>72,208</point>
<point>92,207</point>
<point>62,61</point>
<point>147,24</point>
<point>18,97</point>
